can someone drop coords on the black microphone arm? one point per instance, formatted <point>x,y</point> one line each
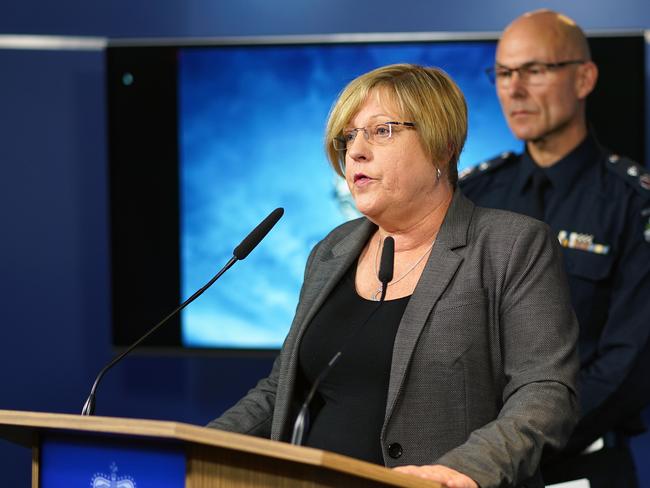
<point>240,252</point>
<point>301,424</point>
<point>385,275</point>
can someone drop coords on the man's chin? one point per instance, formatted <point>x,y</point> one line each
<point>526,134</point>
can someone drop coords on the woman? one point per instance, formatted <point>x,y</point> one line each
<point>467,371</point>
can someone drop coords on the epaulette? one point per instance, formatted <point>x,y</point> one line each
<point>632,173</point>
<point>486,166</point>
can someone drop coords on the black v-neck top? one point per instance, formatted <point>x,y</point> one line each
<point>347,412</point>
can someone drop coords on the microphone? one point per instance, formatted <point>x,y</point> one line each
<point>240,252</point>
<point>385,275</point>
<point>386,265</point>
<point>257,234</point>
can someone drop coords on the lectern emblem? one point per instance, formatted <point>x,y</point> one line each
<point>102,480</point>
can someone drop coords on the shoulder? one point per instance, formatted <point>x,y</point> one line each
<point>629,182</point>
<point>631,174</point>
<point>488,166</point>
<point>504,229</point>
<point>497,220</point>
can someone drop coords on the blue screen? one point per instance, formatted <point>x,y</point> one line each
<point>251,124</point>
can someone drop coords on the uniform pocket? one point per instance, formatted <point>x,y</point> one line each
<point>587,265</point>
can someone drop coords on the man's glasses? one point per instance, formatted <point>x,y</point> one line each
<point>378,134</point>
<point>533,73</point>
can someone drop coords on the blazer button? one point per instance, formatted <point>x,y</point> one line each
<point>395,450</point>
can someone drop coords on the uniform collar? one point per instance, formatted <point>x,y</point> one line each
<point>566,171</point>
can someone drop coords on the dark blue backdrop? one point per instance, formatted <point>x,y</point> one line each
<point>54,254</point>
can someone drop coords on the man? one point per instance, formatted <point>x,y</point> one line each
<point>598,204</point>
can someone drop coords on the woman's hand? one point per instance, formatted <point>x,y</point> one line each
<point>450,478</point>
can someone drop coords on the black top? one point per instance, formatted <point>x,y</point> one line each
<point>348,410</point>
<point>598,206</point>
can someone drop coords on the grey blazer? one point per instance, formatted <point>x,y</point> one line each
<point>484,363</point>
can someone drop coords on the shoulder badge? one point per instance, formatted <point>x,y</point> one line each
<point>486,166</point>
<point>633,173</point>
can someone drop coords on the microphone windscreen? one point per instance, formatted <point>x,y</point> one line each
<point>257,234</point>
<point>387,260</point>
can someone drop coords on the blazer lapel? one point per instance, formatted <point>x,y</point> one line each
<point>324,276</point>
<point>440,269</point>
<point>331,269</point>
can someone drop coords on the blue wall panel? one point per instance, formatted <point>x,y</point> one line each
<point>138,18</point>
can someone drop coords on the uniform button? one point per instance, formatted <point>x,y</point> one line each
<point>395,450</point>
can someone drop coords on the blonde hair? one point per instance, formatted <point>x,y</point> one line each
<point>426,96</point>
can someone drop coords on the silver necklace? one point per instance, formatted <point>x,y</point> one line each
<point>377,294</point>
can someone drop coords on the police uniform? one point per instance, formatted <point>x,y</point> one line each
<point>598,205</point>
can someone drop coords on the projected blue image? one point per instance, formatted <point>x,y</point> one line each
<point>251,139</point>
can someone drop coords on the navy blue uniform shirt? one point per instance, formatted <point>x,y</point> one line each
<point>598,205</point>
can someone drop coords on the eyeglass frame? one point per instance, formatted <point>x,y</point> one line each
<point>366,134</point>
<point>491,72</point>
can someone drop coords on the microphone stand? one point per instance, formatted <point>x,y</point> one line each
<point>239,253</point>
<point>89,406</point>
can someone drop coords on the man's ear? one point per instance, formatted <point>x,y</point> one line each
<point>586,78</point>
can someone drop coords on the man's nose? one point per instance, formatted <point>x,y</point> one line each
<point>517,85</point>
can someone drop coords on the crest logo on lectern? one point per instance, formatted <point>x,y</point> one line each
<point>102,480</point>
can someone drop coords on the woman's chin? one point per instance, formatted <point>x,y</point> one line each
<point>369,211</point>
<point>363,205</point>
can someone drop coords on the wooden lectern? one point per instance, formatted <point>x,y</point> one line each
<point>66,448</point>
